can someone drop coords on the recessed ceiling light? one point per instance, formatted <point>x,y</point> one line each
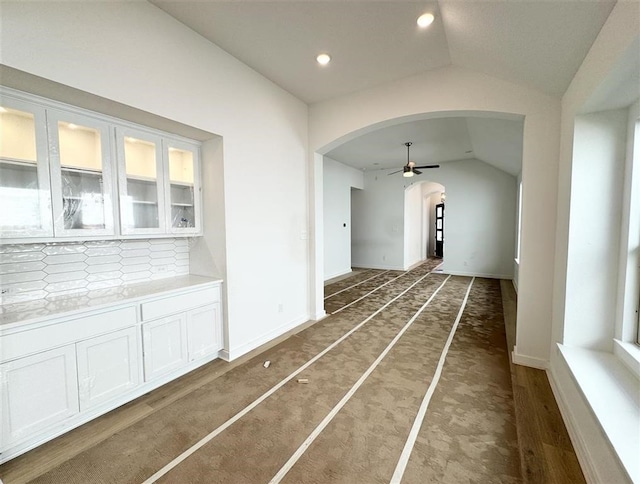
<point>425,20</point>
<point>323,59</point>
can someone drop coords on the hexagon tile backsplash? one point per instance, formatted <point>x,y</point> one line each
<point>37,271</point>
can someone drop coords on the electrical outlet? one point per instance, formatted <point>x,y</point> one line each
<point>280,308</point>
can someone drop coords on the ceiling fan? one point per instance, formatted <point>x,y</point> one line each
<point>410,168</point>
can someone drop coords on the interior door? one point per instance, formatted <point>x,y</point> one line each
<point>440,230</point>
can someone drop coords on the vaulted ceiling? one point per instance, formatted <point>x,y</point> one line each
<point>537,43</point>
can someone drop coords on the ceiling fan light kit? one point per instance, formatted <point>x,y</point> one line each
<point>410,168</point>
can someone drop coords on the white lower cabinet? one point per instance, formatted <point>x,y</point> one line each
<point>107,366</point>
<point>38,392</point>
<point>59,373</point>
<point>173,341</point>
<point>204,331</point>
<point>165,346</point>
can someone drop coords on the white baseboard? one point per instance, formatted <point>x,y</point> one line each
<point>582,452</point>
<point>530,361</point>
<point>382,267</point>
<point>478,274</point>
<point>414,265</point>
<point>245,348</point>
<point>320,315</point>
<point>337,274</point>
<point>515,285</point>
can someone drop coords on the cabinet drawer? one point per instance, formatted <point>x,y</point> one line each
<point>33,341</point>
<point>179,303</point>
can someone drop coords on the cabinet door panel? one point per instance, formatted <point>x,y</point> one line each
<point>25,196</point>
<point>165,346</point>
<point>204,331</point>
<point>82,174</point>
<point>141,181</point>
<point>107,366</point>
<point>38,392</point>
<point>183,190</point>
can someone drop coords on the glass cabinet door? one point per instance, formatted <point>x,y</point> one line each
<point>141,175</point>
<point>81,175</point>
<point>25,197</point>
<point>184,186</point>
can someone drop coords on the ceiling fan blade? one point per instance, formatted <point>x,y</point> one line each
<point>394,172</point>
<point>417,172</point>
<point>426,166</point>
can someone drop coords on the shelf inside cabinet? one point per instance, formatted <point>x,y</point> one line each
<point>144,202</point>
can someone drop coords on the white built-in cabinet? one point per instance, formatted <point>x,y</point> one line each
<point>25,195</point>
<point>165,346</point>
<point>108,366</point>
<point>70,174</point>
<point>38,392</point>
<point>58,373</point>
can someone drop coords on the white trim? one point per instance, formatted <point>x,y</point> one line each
<point>629,354</point>
<point>485,275</point>
<point>320,315</point>
<point>610,392</point>
<point>245,348</point>
<point>337,274</point>
<point>530,361</point>
<point>422,412</point>
<point>585,458</point>
<point>383,267</point>
<point>515,285</point>
<point>416,264</point>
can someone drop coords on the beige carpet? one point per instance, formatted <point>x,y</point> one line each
<point>468,434</point>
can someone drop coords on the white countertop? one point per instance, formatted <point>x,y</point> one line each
<point>18,314</point>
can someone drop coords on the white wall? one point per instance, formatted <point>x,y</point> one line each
<point>378,222</point>
<point>338,180</point>
<point>413,222</point>
<point>457,91</point>
<point>479,219</point>
<point>599,147</point>
<point>615,39</point>
<point>135,54</point>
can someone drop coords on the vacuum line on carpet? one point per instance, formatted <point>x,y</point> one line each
<point>357,284</point>
<point>422,412</point>
<point>318,430</point>
<point>371,292</point>
<point>274,389</point>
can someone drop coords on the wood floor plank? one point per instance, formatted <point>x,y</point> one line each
<point>564,467</point>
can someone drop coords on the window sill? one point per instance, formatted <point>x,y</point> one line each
<point>612,392</point>
<point>629,354</point>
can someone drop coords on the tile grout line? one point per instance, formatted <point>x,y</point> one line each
<point>327,420</point>
<point>184,455</point>
<point>356,284</point>
<point>417,423</point>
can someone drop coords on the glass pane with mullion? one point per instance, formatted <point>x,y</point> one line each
<point>181,177</point>
<point>19,180</point>
<point>140,208</point>
<point>82,184</point>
